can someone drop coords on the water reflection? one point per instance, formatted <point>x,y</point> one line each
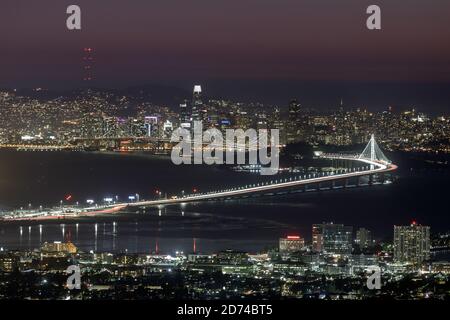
<point>96,237</point>
<point>174,230</point>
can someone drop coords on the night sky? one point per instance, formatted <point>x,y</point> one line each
<point>234,46</point>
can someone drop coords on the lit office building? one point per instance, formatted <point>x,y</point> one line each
<point>7,262</point>
<point>332,238</point>
<point>197,104</point>
<point>411,243</point>
<point>184,118</point>
<point>57,246</point>
<point>317,237</point>
<point>278,123</point>
<point>294,122</point>
<point>363,238</point>
<point>291,244</point>
<point>151,126</point>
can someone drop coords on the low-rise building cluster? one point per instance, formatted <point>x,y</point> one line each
<point>332,266</point>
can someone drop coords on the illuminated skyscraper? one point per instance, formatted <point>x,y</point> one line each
<point>151,126</point>
<point>411,243</point>
<point>197,104</point>
<point>363,238</point>
<point>294,122</point>
<point>278,123</point>
<point>332,238</point>
<point>317,237</point>
<point>185,119</point>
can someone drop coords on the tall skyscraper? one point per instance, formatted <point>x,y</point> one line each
<point>185,119</point>
<point>411,243</point>
<point>151,126</point>
<point>278,123</point>
<point>332,238</point>
<point>317,238</point>
<point>294,122</point>
<point>197,104</point>
<point>363,238</point>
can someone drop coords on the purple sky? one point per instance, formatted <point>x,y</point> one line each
<point>151,41</point>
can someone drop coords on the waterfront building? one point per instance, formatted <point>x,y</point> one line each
<point>59,247</point>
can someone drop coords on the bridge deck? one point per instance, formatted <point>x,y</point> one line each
<point>378,168</point>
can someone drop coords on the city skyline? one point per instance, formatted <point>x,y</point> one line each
<point>239,154</point>
<point>298,49</point>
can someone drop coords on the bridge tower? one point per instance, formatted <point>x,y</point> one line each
<point>372,147</point>
<point>373,152</point>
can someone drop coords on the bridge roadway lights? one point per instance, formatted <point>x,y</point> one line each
<point>354,174</point>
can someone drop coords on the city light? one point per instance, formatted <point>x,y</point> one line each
<point>136,140</point>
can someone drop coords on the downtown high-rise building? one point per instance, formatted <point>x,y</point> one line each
<point>317,238</point>
<point>277,122</point>
<point>294,122</point>
<point>151,126</point>
<point>184,116</point>
<point>363,238</point>
<point>197,111</point>
<point>332,238</point>
<point>93,125</point>
<point>411,243</point>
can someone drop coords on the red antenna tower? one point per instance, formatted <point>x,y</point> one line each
<point>88,63</point>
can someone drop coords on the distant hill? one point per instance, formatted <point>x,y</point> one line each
<point>159,94</point>
<point>170,96</point>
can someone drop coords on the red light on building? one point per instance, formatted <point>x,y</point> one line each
<point>69,197</point>
<point>414,222</point>
<point>292,243</point>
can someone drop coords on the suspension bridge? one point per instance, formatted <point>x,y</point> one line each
<point>371,162</point>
